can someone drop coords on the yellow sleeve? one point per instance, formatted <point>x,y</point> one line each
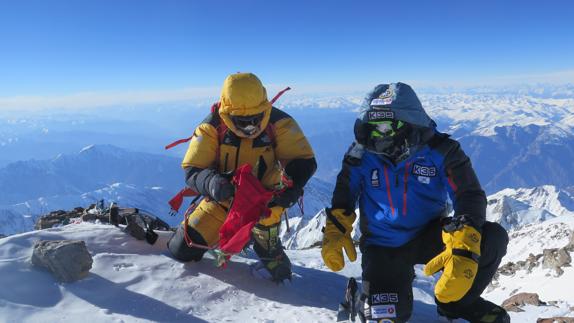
<point>290,141</point>
<point>203,147</point>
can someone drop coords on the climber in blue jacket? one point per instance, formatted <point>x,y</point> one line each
<point>401,171</point>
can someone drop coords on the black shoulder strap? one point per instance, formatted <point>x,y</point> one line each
<point>437,139</point>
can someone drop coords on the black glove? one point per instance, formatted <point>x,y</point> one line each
<point>208,182</point>
<point>287,198</point>
<point>220,188</point>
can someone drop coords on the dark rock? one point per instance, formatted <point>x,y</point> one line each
<point>62,217</point>
<point>68,260</point>
<point>514,303</point>
<point>135,230</point>
<point>114,215</point>
<point>55,218</point>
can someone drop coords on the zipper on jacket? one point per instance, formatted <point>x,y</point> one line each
<point>237,154</point>
<point>406,179</point>
<point>389,191</point>
<point>225,162</point>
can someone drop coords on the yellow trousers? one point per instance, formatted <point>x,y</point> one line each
<point>209,216</point>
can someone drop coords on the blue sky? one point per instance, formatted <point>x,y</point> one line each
<point>55,48</point>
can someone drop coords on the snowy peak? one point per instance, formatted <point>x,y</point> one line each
<point>108,151</point>
<point>514,208</point>
<point>481,114</point>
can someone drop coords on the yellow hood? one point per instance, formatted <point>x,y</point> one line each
<point>243,95</point>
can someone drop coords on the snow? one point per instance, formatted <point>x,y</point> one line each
<point>534,238</point>
<point>132,281</point>
<point>86,148</point>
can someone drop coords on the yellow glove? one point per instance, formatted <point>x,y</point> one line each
<point>274,217</point>
<point>337,236</point>
<point>459,262</point>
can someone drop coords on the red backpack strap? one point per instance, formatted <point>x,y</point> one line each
<point>178,142</point>
<point>270,131</point>
<point>214,108</point>
<point>221,127</point>
<point>279,94</point>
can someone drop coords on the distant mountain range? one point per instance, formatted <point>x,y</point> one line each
<point>29,189</point>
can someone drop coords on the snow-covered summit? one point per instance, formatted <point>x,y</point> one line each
<point>514,208</point>
<point>132,281</point>
<point>481,114</point>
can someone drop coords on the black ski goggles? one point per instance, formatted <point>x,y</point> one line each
<point>386,134</point>
<point>248,124</point>
<point>245,121</point>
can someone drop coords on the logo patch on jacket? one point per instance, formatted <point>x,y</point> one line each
<point>427,171</point>
<point>375,178</point>
<point>383,311</point>
<point>385,98</point>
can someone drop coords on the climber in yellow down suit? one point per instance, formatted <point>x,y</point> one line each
<point>244,128</point>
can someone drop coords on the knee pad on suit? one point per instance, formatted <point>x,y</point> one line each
<point>179,248</point>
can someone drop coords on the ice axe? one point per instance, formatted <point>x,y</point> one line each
<point>347,309</point>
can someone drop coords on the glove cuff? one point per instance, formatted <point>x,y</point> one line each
<point>341,220</point>
<point>466,239</point>
<point>467,254</point>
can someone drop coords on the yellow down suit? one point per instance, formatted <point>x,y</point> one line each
<point>217,144</point>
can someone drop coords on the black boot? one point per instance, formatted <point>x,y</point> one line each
<point>480,311</point>
<point>270,251</point>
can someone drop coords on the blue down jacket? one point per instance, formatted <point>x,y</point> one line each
<point>397,201</point>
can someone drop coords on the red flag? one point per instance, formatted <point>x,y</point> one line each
<point>249,205</point>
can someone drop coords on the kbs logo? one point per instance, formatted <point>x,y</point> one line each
<point>381,114</point>
<point>428,171</point>
<point>384,298</point>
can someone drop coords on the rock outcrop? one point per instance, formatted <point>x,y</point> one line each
<point>68,260</point>
<point>554,259</point>
<point>514,303</point>
<point>97,213</point>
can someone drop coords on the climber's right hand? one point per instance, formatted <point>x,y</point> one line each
<point>336,237</point>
